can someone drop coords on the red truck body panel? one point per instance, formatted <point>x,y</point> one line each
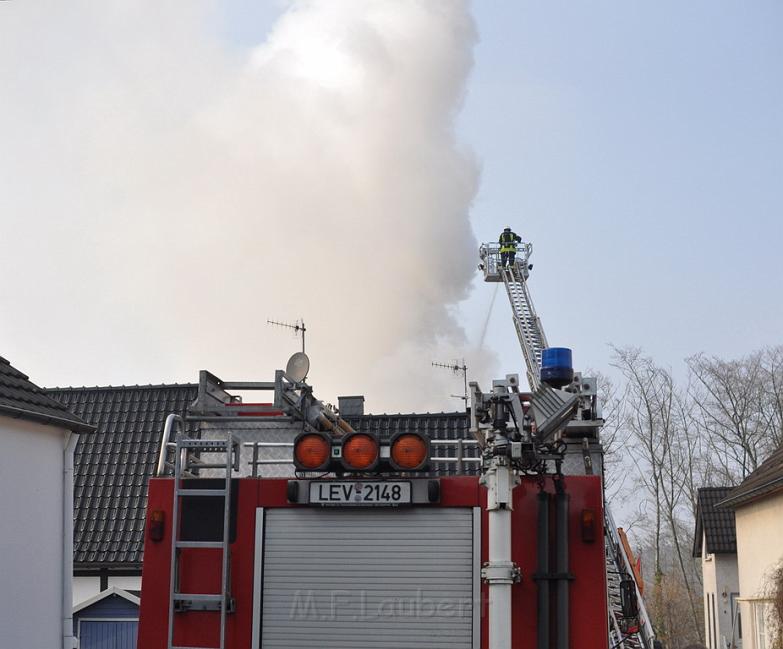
<point>200,568</point>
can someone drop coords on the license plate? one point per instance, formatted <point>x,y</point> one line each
<point>372,493</point>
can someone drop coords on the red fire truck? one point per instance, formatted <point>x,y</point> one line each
<point>281,526</point>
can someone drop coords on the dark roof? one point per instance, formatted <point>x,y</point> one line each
<point>21,398</point>
<point>438,426</point>
<point>112,466</point>
<point>768,478</point>
<point>441,425</point>
<point>714,523</point>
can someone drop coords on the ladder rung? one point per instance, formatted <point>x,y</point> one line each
<point>205,444</point>
<point>201,492</point>
<point>198,597</point>
<point>204,465</point>
<point>200,544</point>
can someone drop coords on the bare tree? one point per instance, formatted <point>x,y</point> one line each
<point>658,419</point>
<point>644,444</point>
<point>739,406</point>
<point>671,613</point>
<point>612,433</point>
<point>772,392</point>
<point>691,448</point>
<point>715,430</point>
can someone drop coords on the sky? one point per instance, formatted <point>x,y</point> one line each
<point>639,146</point>
<point>169,182</point>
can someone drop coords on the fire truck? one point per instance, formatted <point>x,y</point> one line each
<point>276,524</point>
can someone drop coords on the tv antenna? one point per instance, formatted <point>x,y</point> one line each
<point>298,327</point>
<point>456,368</point>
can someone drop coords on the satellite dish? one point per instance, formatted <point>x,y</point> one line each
<point>297,367</point>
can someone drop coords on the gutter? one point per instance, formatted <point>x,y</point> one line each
<point>733,501</point>
<point>69,642</point>
<point>117,569</point>
<point>76,425</point>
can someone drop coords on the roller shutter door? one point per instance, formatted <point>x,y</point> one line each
<point>368,579</point>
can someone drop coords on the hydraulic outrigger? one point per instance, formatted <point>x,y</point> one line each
<point>554,430</point>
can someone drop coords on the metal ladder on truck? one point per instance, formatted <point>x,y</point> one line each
<point>526,322</point>
<point>625,631</point>
<point>188,462</point>
<point>630,626</point>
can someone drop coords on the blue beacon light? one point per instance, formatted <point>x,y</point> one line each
<point>557,367</point>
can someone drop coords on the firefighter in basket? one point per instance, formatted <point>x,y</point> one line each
<point>508,246</point>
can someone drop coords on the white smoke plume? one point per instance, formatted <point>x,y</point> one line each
<point>162,194</point>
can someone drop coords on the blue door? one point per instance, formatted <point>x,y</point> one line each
<point>108,634</point>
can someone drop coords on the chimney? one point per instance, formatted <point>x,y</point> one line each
<point>351,406</point>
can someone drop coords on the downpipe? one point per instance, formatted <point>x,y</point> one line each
<point>69,642</point>
<point>542,621</point>
<point>561,564</point>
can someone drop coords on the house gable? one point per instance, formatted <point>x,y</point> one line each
<point>715,526</point>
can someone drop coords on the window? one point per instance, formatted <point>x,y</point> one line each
<point>736,617</point>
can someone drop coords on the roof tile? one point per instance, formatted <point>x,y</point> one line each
<point>105,473</point>
<point>715,523</point>
<point>19,397</point>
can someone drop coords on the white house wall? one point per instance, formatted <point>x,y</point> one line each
<point>31,507</point>
<point>84,588</point>
<point>727,594</point>
<point>720,581</point>
<point>727,582</point>
<point>759,530</point>
<point>709,586</point>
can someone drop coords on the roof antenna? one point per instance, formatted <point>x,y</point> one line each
<point>456,368</point>
<point>297,327</point>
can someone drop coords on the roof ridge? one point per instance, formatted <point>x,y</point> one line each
<point>146,386</point>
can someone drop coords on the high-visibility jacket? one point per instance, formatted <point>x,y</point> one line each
<point>508,241</point>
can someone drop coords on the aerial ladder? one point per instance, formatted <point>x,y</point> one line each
<point>527,324</point>
<point>577,401</point>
